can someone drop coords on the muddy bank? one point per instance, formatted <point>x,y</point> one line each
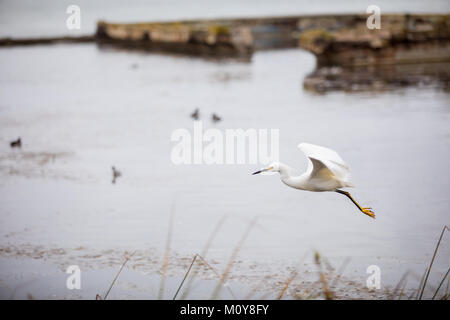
<point>10,42</point>
<point>247,280</point>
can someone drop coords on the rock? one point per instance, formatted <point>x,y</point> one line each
<point>200,38</point>
<point>402,39</point>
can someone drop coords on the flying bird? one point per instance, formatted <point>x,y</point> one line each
<point>326,172</point>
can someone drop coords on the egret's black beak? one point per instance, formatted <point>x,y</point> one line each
<point>262,170</point>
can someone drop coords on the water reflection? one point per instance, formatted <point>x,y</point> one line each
<point>379,78</point>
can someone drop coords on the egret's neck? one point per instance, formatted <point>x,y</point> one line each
<point>285,171</point>
<point>298,182</point>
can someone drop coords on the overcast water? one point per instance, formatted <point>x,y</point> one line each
<point>80,109</point>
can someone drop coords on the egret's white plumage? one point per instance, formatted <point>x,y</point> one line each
<point>326,171</point>
<point>326,168</point>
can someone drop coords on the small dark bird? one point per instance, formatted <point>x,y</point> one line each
<point>16,144</point>
<point>215,118</point>
<point>196,114</point>
<point>116,173</point>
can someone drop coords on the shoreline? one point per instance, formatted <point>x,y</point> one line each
<point>341,43</point>
<point>11,42</point>
<point>145,266</point>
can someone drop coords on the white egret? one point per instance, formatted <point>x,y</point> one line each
<point>326,172</point>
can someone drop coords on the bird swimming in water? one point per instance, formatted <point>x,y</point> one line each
<point>116,173</point>
<point>215,117</point>
<point>16,144</point>
<point>326,172</point>
<point>196,114</point>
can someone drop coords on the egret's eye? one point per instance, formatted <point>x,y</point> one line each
<point>270,168</point>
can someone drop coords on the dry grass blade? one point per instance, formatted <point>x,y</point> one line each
<point>422,279</point>
<point>290,279</point>
<point>185,276</point>
<point>336,278</point>
<point>323,279</point>
<point>117,276</point>
<point>431,263</point>
<point>448,284</point>
<point>340,272</point>
<point>213,235</point>
<point>440,284</point>
<point>399,285</point>
<point>226,272</point>
<point>309,291</point>
<point>403,289</point>
<point>217,274</point>
<point>166,255</point>
<point>209,266</point>
<point>286,285</point>
<point>203,254</point>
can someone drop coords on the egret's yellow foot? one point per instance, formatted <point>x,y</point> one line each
<point>368,211</point>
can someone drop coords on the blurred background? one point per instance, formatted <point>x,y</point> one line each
<point>81,108</point>
<point>29,18</point>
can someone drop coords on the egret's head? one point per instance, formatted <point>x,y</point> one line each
<point>273,167</point>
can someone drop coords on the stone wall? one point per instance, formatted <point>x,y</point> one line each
<point>334,39</point>
<point>401,39</point>
<point>216,39</point>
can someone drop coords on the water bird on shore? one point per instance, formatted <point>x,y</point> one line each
<point>196,114</point>
<point>16,144</point>
<point>215,118</point>
<point>326,172</point>
<point>116,173</point>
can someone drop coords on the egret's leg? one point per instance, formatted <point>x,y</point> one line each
<point>367,211</point>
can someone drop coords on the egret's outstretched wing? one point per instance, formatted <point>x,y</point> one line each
<point>321,158</point>
<point>320,170</point>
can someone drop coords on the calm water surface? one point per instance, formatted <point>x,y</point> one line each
<point>80,110</point>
